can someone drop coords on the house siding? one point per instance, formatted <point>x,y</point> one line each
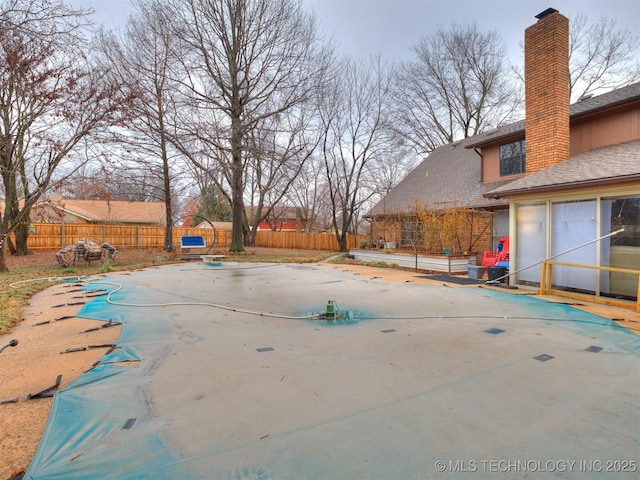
<point>282,225</point>
<point>491,162</point>
<point>587,133</point>
<point>597,131</point>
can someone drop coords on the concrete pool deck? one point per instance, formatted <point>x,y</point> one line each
<point>227,372</point>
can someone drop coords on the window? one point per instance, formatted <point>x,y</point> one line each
<point>574,228</point>
<point>409,234</point>
<point>512,158</point>
<point>531,234</point>
<point>572,224</point>
<point>621,250</point>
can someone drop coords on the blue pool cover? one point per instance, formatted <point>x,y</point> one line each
<point>218,373</point>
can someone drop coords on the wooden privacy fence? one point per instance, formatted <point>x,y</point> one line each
<point>54,236</point>
<point>308,241</point>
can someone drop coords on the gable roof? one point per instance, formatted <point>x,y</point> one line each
<point>449,176</point>
<point>111,211</point>
<point>216,225</point>
<point>605,165</point>
<point>583,107</point>
<point>606,100</point>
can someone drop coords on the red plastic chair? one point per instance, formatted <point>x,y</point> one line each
<point>503,250</point>
<point>490,259</point>
<point>501,255</point>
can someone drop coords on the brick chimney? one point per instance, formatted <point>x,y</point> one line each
<point>546,74</point>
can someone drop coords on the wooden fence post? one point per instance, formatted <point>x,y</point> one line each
<point>54,236</point>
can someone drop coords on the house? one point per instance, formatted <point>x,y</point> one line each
<point>450,177</point>
<point>582,179</point>
<point>217,225</point>
<point>283,219</point>
<point>59,210</point>
<point>563,177</point>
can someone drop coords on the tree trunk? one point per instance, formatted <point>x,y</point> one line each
<point>168,230</point>
<point>4,237</point>
<point>342,242</point>
<point>237,192</point>
<point>168,240</point>
<point>3,249</point>
<point>237,238</point>
<point>22,236</point>
<point>251,238</point>
<point>237,219</point>
<point>341,233</point>
<point>166,177</point>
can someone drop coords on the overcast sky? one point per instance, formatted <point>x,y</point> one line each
<point>391,27</point>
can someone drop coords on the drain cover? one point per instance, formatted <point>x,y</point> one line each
<point>494,331</point>
<point>544,357</point>
<point>593,348</point>
<point>389,330</point>
<point>129,423</point>
<point>265,349</point>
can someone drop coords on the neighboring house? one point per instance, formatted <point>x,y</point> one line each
<point>217,225</point>
<point>99,211</point>
<point>283,219</point>
<point>574,179</point>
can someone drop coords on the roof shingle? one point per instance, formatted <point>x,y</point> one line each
<point>619,162</point>
<point>448,176</point>
<point>451,174</point>
<point>583,107</point>
<point>113,211</point>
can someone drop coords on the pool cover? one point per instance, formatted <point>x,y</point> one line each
<point>232,372</point>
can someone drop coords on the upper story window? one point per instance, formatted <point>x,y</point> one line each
<point>512,158</point>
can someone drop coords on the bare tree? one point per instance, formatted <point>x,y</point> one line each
<point>356,133</point>
<point>602,57</point>
<point>109,181</point>
<point>306,194</point>
<point>459,83</point>
<point>250,60</point>
<point>207,198</point>
<point>52,100</point>
<point>142,58</point>
<point>279,148</point>
<point>395,161</point>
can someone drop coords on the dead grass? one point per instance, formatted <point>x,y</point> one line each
<point>32,273</point>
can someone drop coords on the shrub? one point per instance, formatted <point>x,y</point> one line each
<point>106,267</point>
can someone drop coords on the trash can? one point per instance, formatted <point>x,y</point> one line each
<point>496,272</point>
<point>475,271</point>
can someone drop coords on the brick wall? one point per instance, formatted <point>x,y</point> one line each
<point>546,61</point>
<point>474,235</point>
